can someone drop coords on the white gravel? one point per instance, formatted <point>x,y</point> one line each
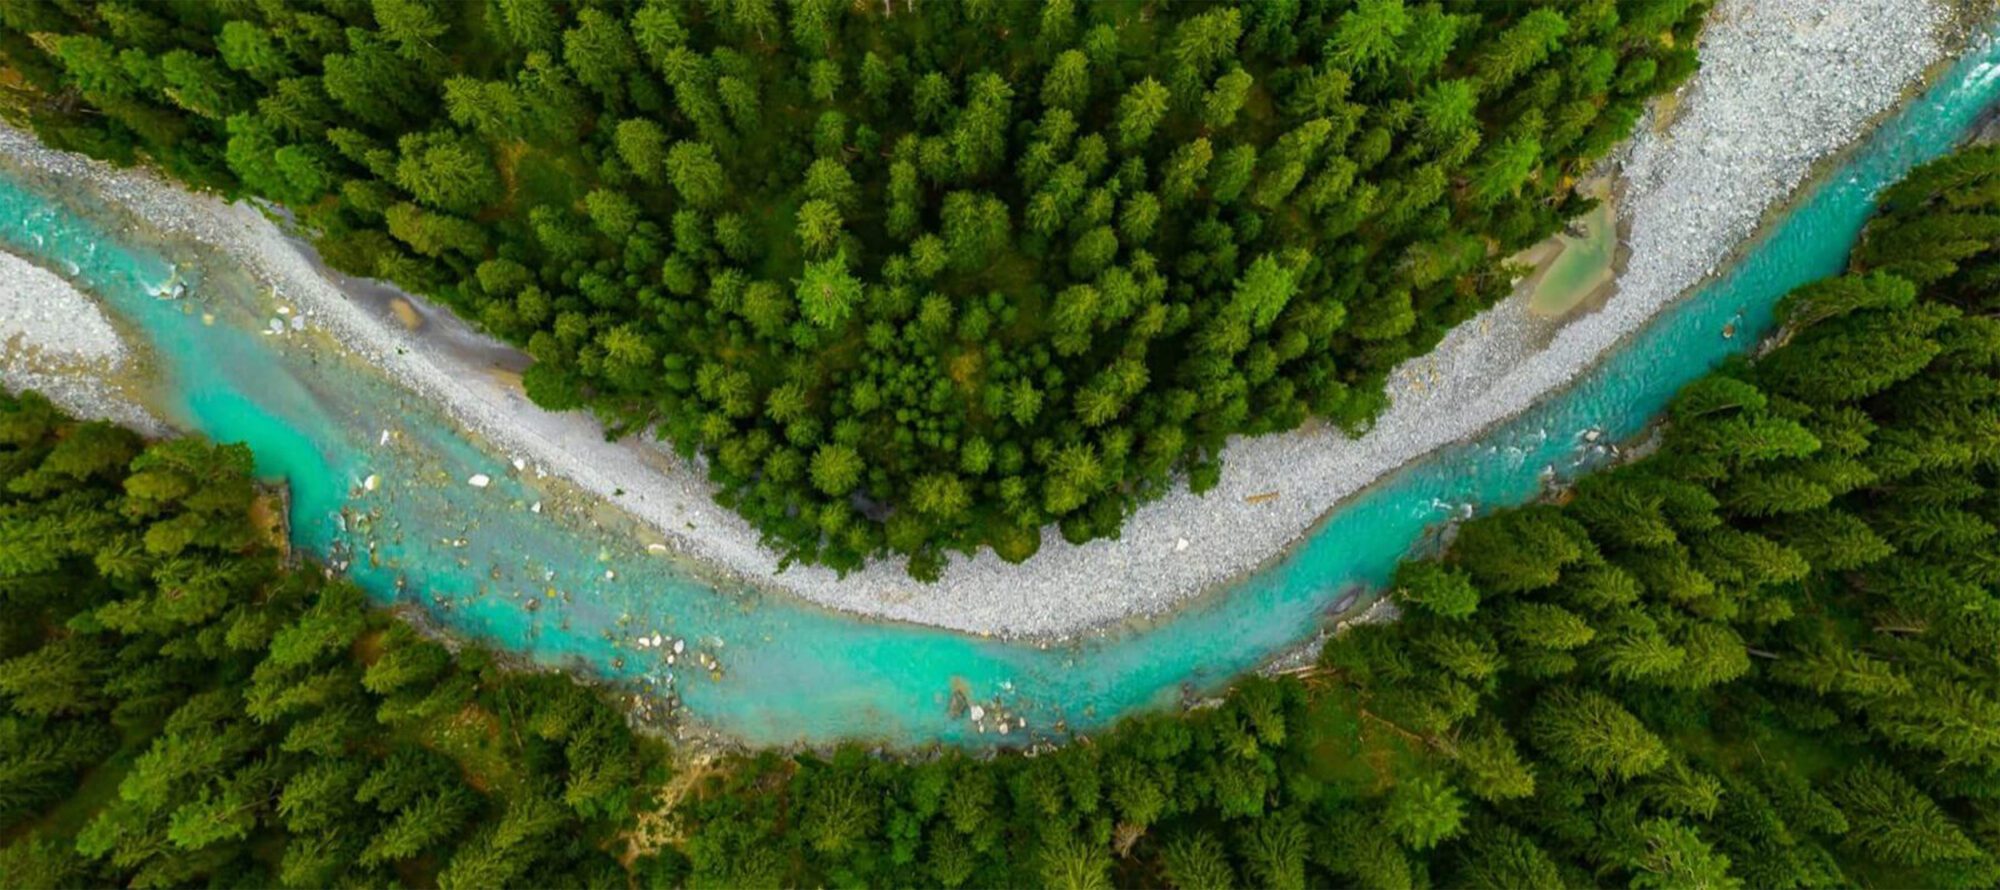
<point>55,340</point>
<point>1783,84</point>
<point>41,312</point>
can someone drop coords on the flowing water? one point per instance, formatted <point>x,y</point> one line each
<point>561,588</point>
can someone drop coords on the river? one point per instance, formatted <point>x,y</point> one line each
<point>519,566</point>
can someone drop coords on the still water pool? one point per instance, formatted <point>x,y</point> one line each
<point>558,588</point>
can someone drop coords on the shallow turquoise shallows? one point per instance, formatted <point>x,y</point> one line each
<point>475,558</point>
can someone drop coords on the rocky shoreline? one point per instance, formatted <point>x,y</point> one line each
<point>55,340</point>
<point>1783,86</point>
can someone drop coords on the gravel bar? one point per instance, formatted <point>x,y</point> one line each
<point>54,339</point>
<point>1783,85</point>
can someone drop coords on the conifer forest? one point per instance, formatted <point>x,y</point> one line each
<point>909,280</point>
<point>911,283</point>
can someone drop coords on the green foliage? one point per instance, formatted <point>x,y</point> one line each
<point>826,293</point>
<point>1591,732</point>
<point>1423,811</point>
<point>1301,195</point>
<point>1436,589</point>
<point>1655,682</point>
<point>192,713</point>
<point>1760,656</point>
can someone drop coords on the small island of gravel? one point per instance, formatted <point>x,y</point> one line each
<point>54,339</point>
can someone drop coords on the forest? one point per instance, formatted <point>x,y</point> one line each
<point>1766,654</point>
<point>908,278</point>
<point>183,707</point>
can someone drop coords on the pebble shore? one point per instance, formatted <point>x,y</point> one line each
<point>56,341</point>
<point>1784,84</point>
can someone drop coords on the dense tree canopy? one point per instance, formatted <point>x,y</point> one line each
<point>1766,655</point>
<point>910,277</point>
<point>177,708</point>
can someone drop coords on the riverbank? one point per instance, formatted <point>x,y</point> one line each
<point>55,340</point>
<point>1784,84</point>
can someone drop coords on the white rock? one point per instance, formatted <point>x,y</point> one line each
<point>536,507</point>
<point>371,483</point>
<point>1782,84</point>
<point>479,480</point>
<point>1180,545</point>
<point>978,713</point>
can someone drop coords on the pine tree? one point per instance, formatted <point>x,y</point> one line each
<point>600,50</point>
<point>1546,626</point>
<point>447,171</point>
<point>1522,46</point>
<point>1365,38</point>
<point>1589,731</point>
<point>422,825</point>
<point>1274,852</point>
<point>1491,764</point>
<point>1196,861</point>
<point>60,678</point>
<point>1676,856</point>
<point>1221,103</point>
<point>1067,83</point>
<point>695,173</point>
<point>531,23</point>
<point>1070,862</point>
<point>1140,111</point>
<point>1891,818</point>
<point>1423,811</point>
<point>1494,856</point>
<point>827,294</point>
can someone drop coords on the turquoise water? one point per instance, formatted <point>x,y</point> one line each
<point>475,559</point>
